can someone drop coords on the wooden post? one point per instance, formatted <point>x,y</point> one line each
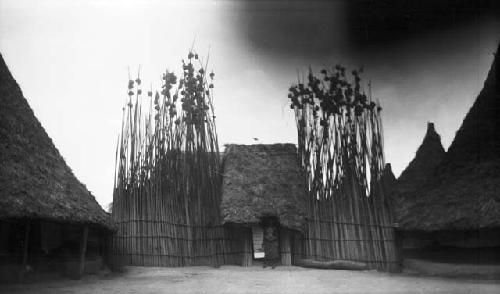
<point>83,250</point>
<point>285,247</point>
<point>398,236</point>
<point>297,247</point>
<point>247,247</point>
<point>4,236</point>
<point>27,229</point>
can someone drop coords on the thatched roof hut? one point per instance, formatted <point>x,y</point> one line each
<point>35,181</point>
<point>462,191</point>
<point>388,178</point>
<point>263,181</point>
<point>429,155</point>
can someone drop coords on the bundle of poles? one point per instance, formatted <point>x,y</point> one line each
<point>167,178</point>
<point>340,145</point>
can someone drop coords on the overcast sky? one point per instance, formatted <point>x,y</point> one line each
<point>71,58</point>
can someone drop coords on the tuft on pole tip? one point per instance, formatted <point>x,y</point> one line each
<point>430,127</point>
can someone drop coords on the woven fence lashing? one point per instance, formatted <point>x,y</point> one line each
<point>340,145</point>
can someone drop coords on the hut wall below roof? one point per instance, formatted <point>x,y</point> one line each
<point>53,249</point>
<point>451,238</point>
<point>474,247</point>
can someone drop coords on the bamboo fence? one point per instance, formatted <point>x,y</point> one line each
<point>167,177</point>
<point>340,145</point>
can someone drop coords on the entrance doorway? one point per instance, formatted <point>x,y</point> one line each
<point>257,242</point>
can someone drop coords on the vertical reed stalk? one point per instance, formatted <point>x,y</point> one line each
<point>340,144</point>
<point>167,183</point>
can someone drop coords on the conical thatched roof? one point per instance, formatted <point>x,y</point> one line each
<point>388,179</point>
<point>263,180</point>
<point>463,191</point>
<point>428,156</point>
<point>35,182</point>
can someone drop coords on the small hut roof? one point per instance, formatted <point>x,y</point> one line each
<point>35,181</point>
<point>463,190</point>
<point>388,180</point>
<point>429,155</point>
<point>263,180</point>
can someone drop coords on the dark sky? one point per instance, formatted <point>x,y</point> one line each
<point>307,28</point>
<point>383,24</point>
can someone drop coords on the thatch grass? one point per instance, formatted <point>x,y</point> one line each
<point>429,155</point>
<point>35,181</point>
<point>262,181</point>
<point>389,182</point>
<point>461,193</point>
<point>468,201</point>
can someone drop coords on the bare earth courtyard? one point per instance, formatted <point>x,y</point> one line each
<point>233,279</point>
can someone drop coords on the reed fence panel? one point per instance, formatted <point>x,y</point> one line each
<point>161,243</point>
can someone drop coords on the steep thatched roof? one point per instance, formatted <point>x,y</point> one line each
<point>263,180</point>
<point>463,190</point>
<point>35,182</point>
<point>428,156</point>
<point>388,179</point>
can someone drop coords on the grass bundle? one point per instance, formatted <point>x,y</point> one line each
<point>167,186</point>
<point>340,142</point>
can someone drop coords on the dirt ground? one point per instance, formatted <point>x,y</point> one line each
<point>233,279</point>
